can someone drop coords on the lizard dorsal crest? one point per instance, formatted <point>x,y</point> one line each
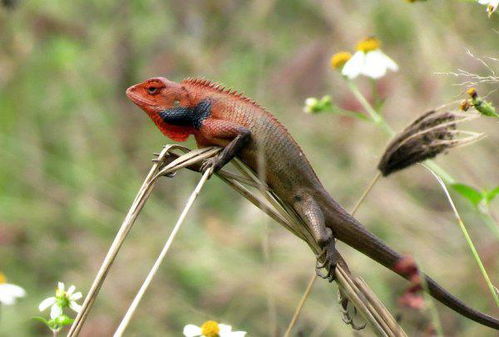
<point>217,87</point>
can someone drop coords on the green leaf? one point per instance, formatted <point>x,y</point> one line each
<point>470,193</point>
<point>490,195</point>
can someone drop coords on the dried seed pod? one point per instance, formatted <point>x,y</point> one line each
<point>426,137</point>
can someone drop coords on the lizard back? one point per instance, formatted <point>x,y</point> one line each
<point>272,149</point>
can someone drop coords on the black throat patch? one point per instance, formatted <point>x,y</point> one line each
<point>187,116</point>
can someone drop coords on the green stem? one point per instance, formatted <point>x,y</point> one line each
<point>440,171</point>
<point>375,116</point>
<point>467,236</point>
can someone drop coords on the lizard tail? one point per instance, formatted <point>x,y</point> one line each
<point>350,231</point>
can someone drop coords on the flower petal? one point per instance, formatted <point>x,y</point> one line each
<point>224,328</point>
<point>5,296</point>
<point>13,290</point>
<point>60,286</point>
<point>7,299</point>
<point>75,296</point>
<point>70,290</point>
<point>191,330</point>
<point>46,303</point>
<point>55,311</point>
<point>238,334</point>
<point>390,64</point>
<point>375,65</point>
<point>354,66</point>
<point>75,306</point>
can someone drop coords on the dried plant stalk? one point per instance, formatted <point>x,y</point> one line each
<point>158,169</point>
<point>247,184</point>
<point>145,285</point>
<point>355,289</point>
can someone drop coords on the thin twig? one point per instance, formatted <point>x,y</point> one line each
<point>125,228</point>
<point>366,192</point>
<point>137,205</point>
<point>133,307</point>
<point>300,305</point>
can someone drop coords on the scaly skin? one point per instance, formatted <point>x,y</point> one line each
<point>216,116</point>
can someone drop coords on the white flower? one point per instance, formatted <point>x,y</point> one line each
<point>211,329</point>
<point>9,292</point>
<point>62,299</point>
<point>310,104</point>
<point>369,61</point>
<point>314,105</point>
<point>491,5</point>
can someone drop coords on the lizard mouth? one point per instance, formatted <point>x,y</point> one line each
<point>138,99</point>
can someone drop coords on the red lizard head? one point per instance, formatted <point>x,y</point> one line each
<point>158,94</point>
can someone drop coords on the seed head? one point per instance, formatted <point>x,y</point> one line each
<point>426,137</point>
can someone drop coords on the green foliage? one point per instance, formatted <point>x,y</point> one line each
<point>56,324</point>
<point>475,196</point>
<point>472,194</point>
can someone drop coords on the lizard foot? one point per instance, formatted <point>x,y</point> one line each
<point>210,163</point>
<point>215,162</point>
<point>330,258</point>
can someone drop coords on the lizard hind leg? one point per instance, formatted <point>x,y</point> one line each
<point>309,210</point>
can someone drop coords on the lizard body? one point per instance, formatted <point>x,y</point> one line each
<point>226,118</point>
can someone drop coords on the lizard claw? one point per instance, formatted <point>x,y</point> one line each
<point>209,163</point>
<point>330,259</point>
<point>214,162</point>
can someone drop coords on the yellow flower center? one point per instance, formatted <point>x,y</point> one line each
<point>210,329</point>
<point>369,44</point>
<point>59,292</point>
<point>338,60</point>
<point>3,278</point>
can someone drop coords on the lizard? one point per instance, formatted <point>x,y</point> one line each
<point>217,116</point>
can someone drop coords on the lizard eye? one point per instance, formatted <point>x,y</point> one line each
<point>152,90</point>
<point>176,103</point>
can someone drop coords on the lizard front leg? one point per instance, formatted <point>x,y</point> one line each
<point>219,132</point>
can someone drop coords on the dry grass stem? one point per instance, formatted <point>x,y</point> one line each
<point>133,307</point>
<point>346,315</point>
<point>247,183</point>
<point>469,79</point>
<point>356,291</point>
<point>300,305</point>
<point>145,190</point>
<point>269,203</point>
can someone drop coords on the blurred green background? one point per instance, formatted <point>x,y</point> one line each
<point>74,151</point>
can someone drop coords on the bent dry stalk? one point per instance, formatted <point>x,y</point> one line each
<point>133,307</point>
<point>145,190</point>
<point>252,188</point>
